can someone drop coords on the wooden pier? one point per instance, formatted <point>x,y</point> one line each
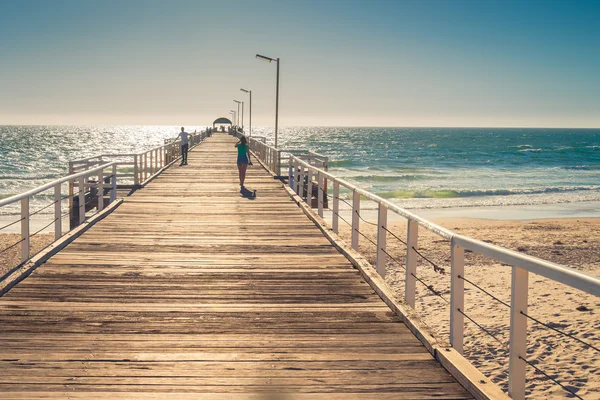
<point>195,289</point>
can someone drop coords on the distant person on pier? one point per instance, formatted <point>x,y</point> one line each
<point>183,135</point>
<point>243,159</point>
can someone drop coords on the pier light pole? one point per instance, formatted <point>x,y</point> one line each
<point>238,112</point>
<point>232,112</point>
<point>269,59</point>
<point>242,103</point>
<point>249,92</point>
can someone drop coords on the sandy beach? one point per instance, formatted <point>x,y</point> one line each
<point>12,257</point>
<point>571,242</point>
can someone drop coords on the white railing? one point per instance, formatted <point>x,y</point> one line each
<point>301,176</point>
<point>137,168</point>
<point>276,159</point>
<point>94,184</point>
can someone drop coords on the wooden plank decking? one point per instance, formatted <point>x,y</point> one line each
<point>191,289</point>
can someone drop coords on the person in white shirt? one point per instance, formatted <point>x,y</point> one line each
<point>183,135</point>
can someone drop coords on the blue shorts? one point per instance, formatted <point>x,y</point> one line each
<point>241,160</point>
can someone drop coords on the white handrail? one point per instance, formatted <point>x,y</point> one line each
<point>55,182</point>
<point>521,264</point>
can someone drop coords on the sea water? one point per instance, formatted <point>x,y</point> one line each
<point>424,168</point>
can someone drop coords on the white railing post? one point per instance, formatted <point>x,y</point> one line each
<point>136,171</point>
<point>57,212</point>
<point>320,193</point>
<point>151,162</point>
<point>278,166</point>
<point>355,218</point>
<point>297,180</point>
<point>113,189</point>
<point>518,334</point>
<point>336,207</point>
<point>291,172</point>
<point>81,199</point>
<point>309,187</point>
<point>145,165</point>
<point>412,238</point>
<point>301,181</point>
<point>381,240</point>
<point>25,229</point>
<point>100,190</point>
<point>457,297</point>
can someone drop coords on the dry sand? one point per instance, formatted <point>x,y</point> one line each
<point>12,257</point>
<point>571,242</point>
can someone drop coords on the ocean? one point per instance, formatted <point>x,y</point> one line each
<point>417,168</point>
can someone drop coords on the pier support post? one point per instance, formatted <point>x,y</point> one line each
<point>355,218</point>
<point>25,229</point>
<point>518,334</point>
<point>381,239</point>
<point>457,297</point>
<point>336,207</point>
<point>412,238</point>
<point>57,212</point>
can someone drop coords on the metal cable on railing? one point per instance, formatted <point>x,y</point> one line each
<point>12,245</point>
<point>12,223</point>
<point>561,332</point>
<point>483,328</point>
<point>43,208</point>
<point>430,287</point>
<point>551,378</point>
<point>484,291</point>
<point>533,319</point>
<point>39,231</point>
<point>530,317</point>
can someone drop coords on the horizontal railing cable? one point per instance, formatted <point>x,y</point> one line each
<point>551,378</point>
<point>391,233</point>
<point>12,245</point>
<point>484,291</point>
<point>12,223</point>
<point>530,317</point>
<point>45,207</point>
<point>561,332</point>
<point>46,226</point>
<point>483,328</point>
<point>430,288</point>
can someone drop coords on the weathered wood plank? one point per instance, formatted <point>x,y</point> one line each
<point>193,289</point>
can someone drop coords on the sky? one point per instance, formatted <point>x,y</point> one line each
<point>343,62</point>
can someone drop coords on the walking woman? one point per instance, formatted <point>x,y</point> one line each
<point>243,159</point>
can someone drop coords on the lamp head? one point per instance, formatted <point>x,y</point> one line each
<point>237,101</point>
<point>245,91</point>
<point>264,58</point>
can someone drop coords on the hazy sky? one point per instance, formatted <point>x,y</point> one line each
<point>360,63</point>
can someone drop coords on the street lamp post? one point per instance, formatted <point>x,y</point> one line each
<point>238,112</point>
<point>269,59</point>
<point>242,103</point>
<point>250,93</point>
<point>232,112</point>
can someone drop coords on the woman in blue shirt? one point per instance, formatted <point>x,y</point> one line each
<point>243,159</point>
